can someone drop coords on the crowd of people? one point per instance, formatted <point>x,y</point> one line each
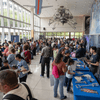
<point>17,57</point>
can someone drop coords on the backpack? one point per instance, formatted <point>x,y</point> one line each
<point>55,71</point>
<point>23,55</point>
<point>15,97</point>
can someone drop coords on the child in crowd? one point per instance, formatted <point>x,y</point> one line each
<point>69,75</point>
<point>5,65</point>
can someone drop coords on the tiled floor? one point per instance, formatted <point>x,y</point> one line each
<point>40,87</point>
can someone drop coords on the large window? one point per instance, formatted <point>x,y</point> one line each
<point>36,27</point>
<point>65,35</point>
<point>15,20</point>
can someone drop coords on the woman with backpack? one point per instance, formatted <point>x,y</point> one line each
<point>61,69</point>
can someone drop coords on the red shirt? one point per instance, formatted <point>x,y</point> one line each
<point>5,51</point>
<point>60,66</point>
<point>27,56</point>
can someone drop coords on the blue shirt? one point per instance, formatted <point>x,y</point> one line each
<point>24,64</point>
<point>11,60</point>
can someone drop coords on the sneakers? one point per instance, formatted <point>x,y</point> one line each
<point>65,97</point>
<point>70,91</point>
<point>42,76</point>
<point>29,72</point>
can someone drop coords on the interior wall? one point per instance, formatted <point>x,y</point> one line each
<point>62,28</point>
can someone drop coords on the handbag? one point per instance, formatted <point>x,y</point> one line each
<point>52,80</point>
<point>55,71</point>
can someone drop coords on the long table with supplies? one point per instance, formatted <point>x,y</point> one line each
<point>82,92</point>
<point>80,65</point>
<point>88,88</point>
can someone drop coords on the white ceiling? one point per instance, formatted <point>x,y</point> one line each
<point>77,7</point>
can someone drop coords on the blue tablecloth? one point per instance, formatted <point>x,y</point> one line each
<point>81,67</point>
<point>80,95</point>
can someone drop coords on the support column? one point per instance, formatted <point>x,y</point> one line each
<point>32,23</point>
<point>83,25</point>
<point>22,34</point>
<point>64,35</point>
<point>28,35</point>
<point>2,21</point>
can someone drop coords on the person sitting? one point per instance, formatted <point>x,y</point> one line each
<point>5,65</point>
<point>80,52</point>
<point>11,88</point>
<point>94,61</point>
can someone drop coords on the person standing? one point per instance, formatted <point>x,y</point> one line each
<point>23,67</point>
<point>5,51</point>
<point>94,61</point>
<point>45,60</point>
<point>61,66</point>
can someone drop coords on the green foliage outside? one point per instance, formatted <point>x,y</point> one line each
<point>11,16</point>
<point>77,34</point>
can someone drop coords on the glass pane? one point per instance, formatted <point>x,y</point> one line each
<point>11,23</point>
<point>23,15</point>
<point>81,34</point>
<point>20,13</point>
<point>58,33</point>
<point>67,34</point>
<point>5,22</point>
<point>11,10</point>
<point>72,34</point>
<point>15,24</point>
<point>0,21</point>
<point>15,10</point>
<point>0,6</point>
<point>5,7</point>
<point>29,18</point>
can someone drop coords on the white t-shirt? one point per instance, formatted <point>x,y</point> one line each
<point>69,75</point>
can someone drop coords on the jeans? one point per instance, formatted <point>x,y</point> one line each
<point>68,83</point>
<point>59,81</point>
<point>45,61</point>
<point>31,55</point>
<point>23,79</point>
<point>51,58</point>
<point>41,59</point>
